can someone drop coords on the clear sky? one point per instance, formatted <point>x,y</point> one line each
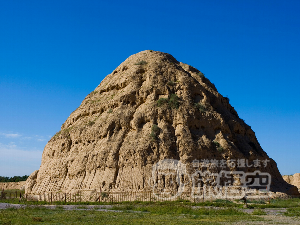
<point>54,53</point>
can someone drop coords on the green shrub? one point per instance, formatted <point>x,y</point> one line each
<point>2,195</point>
<point>293,212</point>
<point>161,101</point>
<point>91,123</point>
<point>171,83</point>
<point>110,111</point>
<point>104,195</point>
<point>94,92</point>
<point>218,146</point>
<point>154,132</point>
<point>174,101</point>
<point>201,75</point>
<point>200,107</point>
<point>141,63</point>
<point>37,219</point>
<point>64,132</point>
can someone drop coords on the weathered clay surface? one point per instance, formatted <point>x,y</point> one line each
<point>293,179</point>
<point>12,185</point>
<point>122,129</point>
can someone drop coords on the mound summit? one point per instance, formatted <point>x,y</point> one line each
<point>150,108</point>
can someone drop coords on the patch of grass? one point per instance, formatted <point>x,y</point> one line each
<point>258,212</point>
<point>158,215</point>
<point>64,131</point>
<point>219,203</point>
<point>13,192</point>
<point>154,132</point>
<point>200,107</point>
<point>59,207</point>
<point>256,201</point>
<point>218,146</point>
<point>104,195</point>
<point>94,92</point>
<point>100,99</point>
<point>281,203</point>
<point>174,101</point>
<point>57,133</point>
<point>181,202</point>
<point>91,123</point>
<point>227,99</point>
<point>293,212</point>
<point>37,219</point>
<point>110,111</point>
<point>223,201</point>
<point>161,101</point>
<point>184,211</point>
<point>201,75</point>
<point>123,207</point>
<point>67,130</point>
<point>171,83</point>
<point>141,63</point>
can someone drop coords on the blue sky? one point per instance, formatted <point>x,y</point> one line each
<point>53,53</point>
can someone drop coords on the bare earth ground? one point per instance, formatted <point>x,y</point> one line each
<point>274,216</point>
<point>272,219</point>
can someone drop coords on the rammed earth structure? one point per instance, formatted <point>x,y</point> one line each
<point>150,108</point>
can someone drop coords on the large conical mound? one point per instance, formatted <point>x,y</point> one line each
<point>150,108</point>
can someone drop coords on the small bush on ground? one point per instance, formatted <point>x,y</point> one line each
<point>293,212</point>
<point>201,75</point>
<point>227,99</point>
<point>200,107</point>
<point>218,146</point>
<point>94,92</point>
<point>172,101</point>
<point>141,63</point>
<point>161,101</point>
<point>171,83</point>
<point>104,195</point>
<point>91,123</point>
<point>154,132</point>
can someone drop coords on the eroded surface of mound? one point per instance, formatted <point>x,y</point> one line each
<point>150,108</point>
<point>293,179</point>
